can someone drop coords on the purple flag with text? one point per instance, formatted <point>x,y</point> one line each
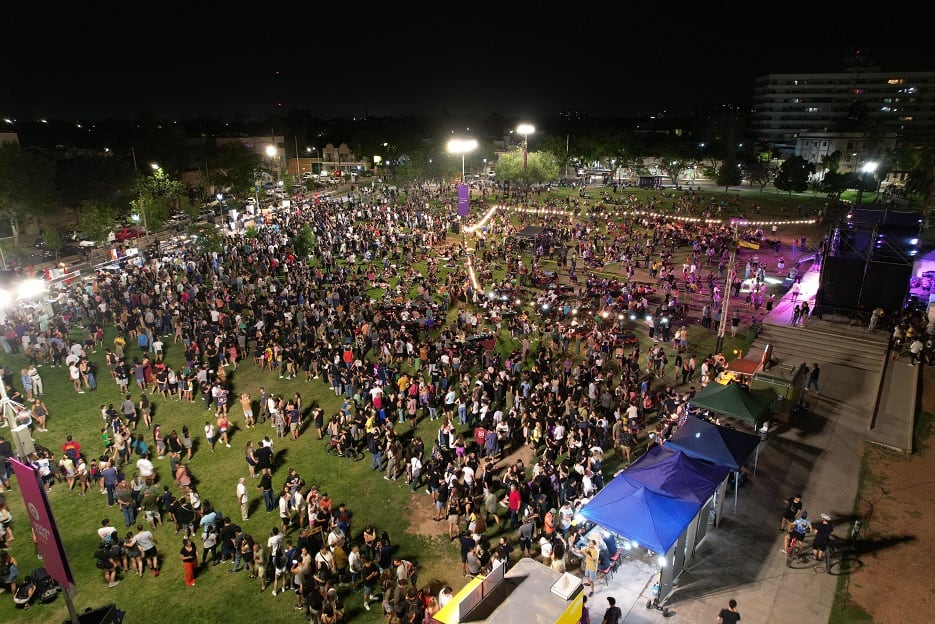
<point>464,199</point>
<point>48,540</point>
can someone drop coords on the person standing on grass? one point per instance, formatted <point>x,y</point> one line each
<point>223,423</point>
<point>146,542</point>
<point>729,615</point>
<point>189,557</point>
<point>146,411</point>
<point>210,435</point>
<point>246,404</point>
<point>74,373</point>
<point>242,499</point>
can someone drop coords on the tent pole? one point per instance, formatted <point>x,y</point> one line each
<point>736,487</point>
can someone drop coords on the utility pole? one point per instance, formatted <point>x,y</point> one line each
<point>722,327</point>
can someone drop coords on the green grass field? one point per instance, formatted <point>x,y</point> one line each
<point>218,595</point>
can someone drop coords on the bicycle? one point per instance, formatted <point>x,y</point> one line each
<point>840,555</point>
<point>796,551</point>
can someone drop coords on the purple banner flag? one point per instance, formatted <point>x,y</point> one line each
<point>48,540</point>
<point>464,199</point>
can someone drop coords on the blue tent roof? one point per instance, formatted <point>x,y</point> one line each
<point>628,508</point>
<point>719,445</point>
<point>670,471</point>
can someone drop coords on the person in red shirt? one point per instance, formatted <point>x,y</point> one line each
<point>71,448</point>
<point>515,499</point>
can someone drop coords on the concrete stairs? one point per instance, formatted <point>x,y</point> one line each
<point>853,362</point>
<point>826,343</point>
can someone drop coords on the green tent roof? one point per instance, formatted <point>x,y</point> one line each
<point>736,401</point>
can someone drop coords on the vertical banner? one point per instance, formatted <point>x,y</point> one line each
<point>48,540</point>
<point>464,199</point>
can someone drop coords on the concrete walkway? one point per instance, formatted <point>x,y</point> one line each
<point>818,458</point>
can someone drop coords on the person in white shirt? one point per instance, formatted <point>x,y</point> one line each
<point>704,373</point>
<point>300,504</point>
<point>274,542</point>
<point>354,565</point>
<point>242,499</point>
<point>146,469</point>
<point>335,536</point>
<point>468,474</point>
<point>558,434</point>
<point>157,348</point>
<point>415,472</point>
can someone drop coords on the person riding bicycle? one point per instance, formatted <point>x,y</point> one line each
<point>801,527</point>
<point>822,535</point>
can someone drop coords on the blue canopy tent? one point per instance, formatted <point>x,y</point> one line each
<point>633,510</point>
<point>672,472</point>
<point>712,443</point>
<point>658,503</point>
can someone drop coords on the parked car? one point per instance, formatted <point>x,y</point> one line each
<point>127,232</point>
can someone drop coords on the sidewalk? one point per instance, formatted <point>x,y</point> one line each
<point>818,459</point>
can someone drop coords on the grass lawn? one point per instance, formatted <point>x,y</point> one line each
<point>389,507</point>
<point>217,594</point>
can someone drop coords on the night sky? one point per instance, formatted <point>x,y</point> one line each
<point>85,62</point>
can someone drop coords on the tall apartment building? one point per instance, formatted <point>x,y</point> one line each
<point>889,108</point>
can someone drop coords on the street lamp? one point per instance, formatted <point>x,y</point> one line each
<point>156,169</point>
<point>525,129</point>
<point>868,167</point>
<point>308,150</point>
<point>722,327</point>
<point>462,146</point>
<point>271,153</point>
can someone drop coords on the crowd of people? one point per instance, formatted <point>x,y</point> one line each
<point>573,386</point>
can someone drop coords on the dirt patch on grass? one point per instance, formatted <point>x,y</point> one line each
<point>895,583</point>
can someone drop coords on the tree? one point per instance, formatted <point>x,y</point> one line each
<point>97,220</point>
<point>53,240</point>
<point>232,170</point>
<point>673,166</point>
<point>922,179</point>
<point>760,172</point>
<point>793,175</point>
<point>27,183</point>
<point>727,174</point>
<point>304,242</point>
<point>832,161</point>
<point>158,196</point>
<point>208,237</point>
<point>540,167</point>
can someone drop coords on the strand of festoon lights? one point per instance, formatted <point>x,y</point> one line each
<point>626,213</point>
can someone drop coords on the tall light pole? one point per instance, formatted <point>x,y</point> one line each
<point>868,167</point>
<point>461,146</point>
<point>525,129</point>
<point>272,153</point>
<point>722,326</point>
<point>156,168</point>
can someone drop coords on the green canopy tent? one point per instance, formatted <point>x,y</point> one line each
<point>735,401</point>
